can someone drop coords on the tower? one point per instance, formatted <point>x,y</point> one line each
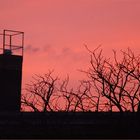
<point>11,57</point>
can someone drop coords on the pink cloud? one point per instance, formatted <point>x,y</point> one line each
<point>64,25</point>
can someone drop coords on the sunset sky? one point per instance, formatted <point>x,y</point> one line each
<point>56,31</point>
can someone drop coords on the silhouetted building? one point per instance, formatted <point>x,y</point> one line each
<point>11,57</point>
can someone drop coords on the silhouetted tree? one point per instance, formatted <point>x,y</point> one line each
<point>111,85</point>
<point>46,93</point>
<point>117,80</point>
<point>39,94</point>
<point>76,100</point>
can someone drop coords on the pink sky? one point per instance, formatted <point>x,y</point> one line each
<point>55,31</point>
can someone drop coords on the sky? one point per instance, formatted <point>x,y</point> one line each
<point>56,31</point>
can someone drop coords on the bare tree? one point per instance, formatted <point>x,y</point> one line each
<point>111,85</point>
<point>76,100</point>
<point>117,81</point>
<point>46,93</point>
<point>39,94</point>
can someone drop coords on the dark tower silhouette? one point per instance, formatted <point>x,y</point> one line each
<point>11,57</point>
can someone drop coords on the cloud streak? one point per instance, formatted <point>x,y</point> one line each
<point>31,49</point>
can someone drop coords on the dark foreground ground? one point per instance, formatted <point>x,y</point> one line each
<point>69,125</point>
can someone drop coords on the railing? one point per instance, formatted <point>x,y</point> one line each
<point>11,42</point>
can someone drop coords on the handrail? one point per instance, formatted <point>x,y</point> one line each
<point>8,40</point>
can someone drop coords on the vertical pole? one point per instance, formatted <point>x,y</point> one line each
<point>3,40</point>
<point>22,43</point>
<point>10,43</point>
